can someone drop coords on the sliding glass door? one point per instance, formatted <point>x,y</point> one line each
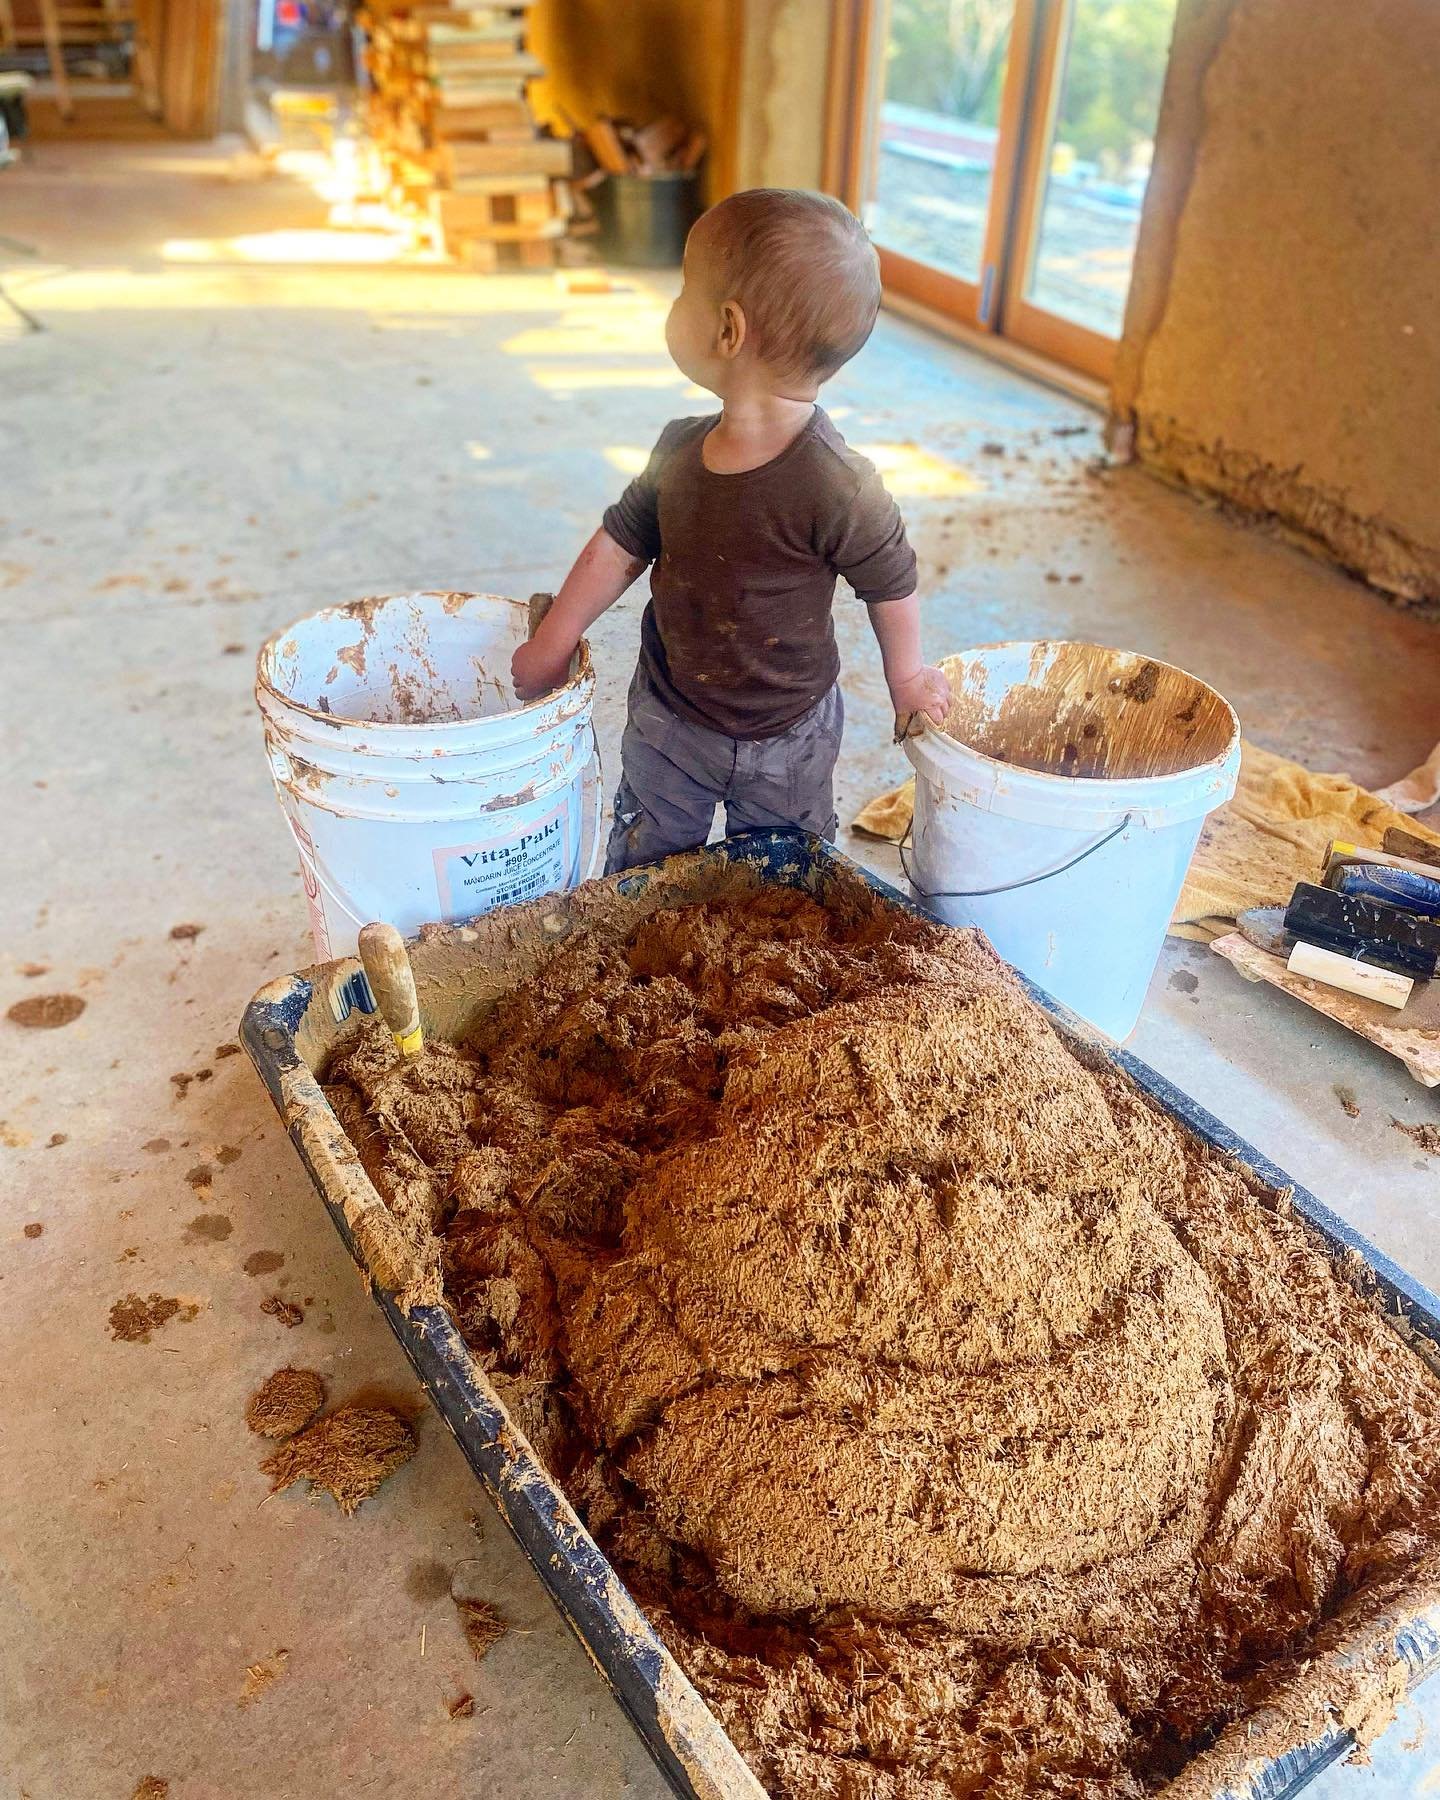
<point>999,155</point>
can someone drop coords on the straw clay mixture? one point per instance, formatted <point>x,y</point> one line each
<point>961,1425</point>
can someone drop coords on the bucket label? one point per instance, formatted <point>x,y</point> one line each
<point>535,860</point>
<point>310,880</point>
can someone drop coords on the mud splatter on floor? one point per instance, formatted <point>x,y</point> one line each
<point>285,1402</point>
<point>34,1229</point>
<point>152,1787</point>
<point>260,1677</point>
<point>46,1012</point>
<point>185,933</point>
<point>961,1424</point>
<point>263,1262</point>
<point>1348,1103</point>
<point>133,1319</point>
<point>483,1625</point>
<point>284,1310</point>
<point>461,1707</point>
<point>347,1454</point>
<point>209,1228</point>
<point>1427,1136</point>
<point>428,1582</point>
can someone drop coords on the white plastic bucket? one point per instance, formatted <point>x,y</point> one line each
<point>1074,780</point>
<point>416,785</point>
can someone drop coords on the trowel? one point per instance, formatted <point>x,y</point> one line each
<point>392,981</point>
<point>1264,927</point>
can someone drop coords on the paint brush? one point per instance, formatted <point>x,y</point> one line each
<point>1399,842</point>
<point>392,981</point>
<point>1337,852</point>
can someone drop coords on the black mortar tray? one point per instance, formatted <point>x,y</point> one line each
<point>290,1033</point>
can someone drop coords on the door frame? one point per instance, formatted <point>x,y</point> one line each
<point>1034,71</point>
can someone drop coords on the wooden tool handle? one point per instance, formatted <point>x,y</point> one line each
<point>387,967</point>
<point>540,604</point>
<point>1320,964</point>
<point>908,725</point>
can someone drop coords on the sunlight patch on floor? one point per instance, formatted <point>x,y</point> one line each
<point>911,472</point>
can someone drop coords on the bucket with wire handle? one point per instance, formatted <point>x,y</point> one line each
<point>1058,809</point>
<point>416,784</point>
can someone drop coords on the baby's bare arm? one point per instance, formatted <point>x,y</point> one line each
<point>914,686</point>
<point>601,574</point>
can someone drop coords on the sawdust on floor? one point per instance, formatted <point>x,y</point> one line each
<point>348,1454</point>
<point>285,1402</point>
<point>960,1423</point>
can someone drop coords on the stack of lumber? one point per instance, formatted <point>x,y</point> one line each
<point>449,114</point>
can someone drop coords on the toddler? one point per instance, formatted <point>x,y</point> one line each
<point>746,518</point>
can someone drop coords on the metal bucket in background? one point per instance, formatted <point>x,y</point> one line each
<point>417,787</point>
<point>645,219</point>
<point>1059,807</point>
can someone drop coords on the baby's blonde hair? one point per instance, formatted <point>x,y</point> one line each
<point>802,269</point>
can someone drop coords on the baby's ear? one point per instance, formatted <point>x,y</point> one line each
<point>733,330</point>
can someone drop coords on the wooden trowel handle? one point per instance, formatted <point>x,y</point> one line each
<point>540,604</point>
<point>392,981</point>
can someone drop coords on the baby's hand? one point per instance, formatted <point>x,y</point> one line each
<point>926,691</point>
<point>536,669</point>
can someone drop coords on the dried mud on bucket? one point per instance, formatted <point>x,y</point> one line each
<point>961,1424</point>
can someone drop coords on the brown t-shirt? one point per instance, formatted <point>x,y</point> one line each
<point>738,635</point>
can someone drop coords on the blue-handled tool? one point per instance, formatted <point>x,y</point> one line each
<point>1412,893</point>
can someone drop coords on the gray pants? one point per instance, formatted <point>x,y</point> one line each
<point>673,775</point>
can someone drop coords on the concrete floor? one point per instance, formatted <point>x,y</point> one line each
<point>199,447</point>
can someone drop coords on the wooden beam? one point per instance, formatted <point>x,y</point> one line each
<point>54,49</point>
<point>189,56</point>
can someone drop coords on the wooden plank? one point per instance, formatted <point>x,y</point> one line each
<point>502,216</point>
<point>501,187</point>
<point>147,67</point>
<point>489,254</point>
<point>541,157</point>
<point>54,51</point>
<point>189,67</point>
<point>536,208</point>
<point>488,115</point>
<point>1412,1033</point>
